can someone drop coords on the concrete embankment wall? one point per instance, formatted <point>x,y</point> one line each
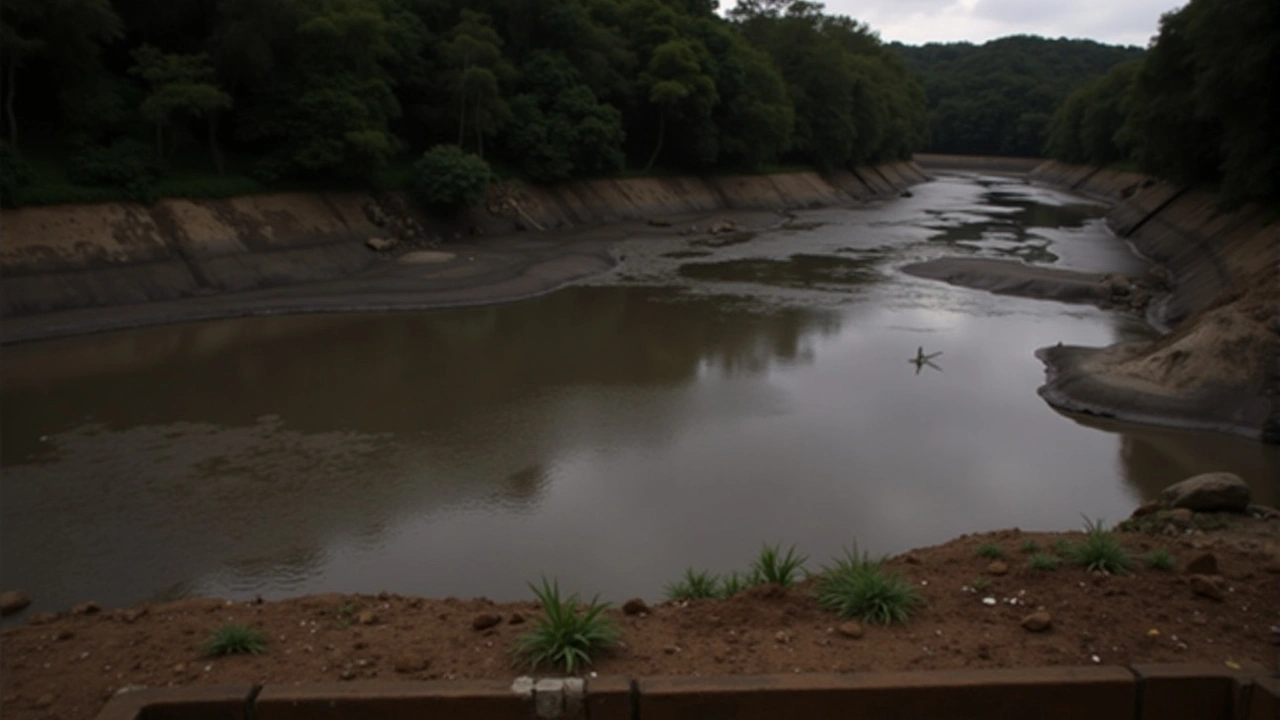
<point>64,257</point>
<point>1204,248</point>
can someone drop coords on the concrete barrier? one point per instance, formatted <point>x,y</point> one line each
<point>1140,692</point>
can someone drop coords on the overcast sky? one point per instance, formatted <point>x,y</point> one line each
<point>1126,22</point>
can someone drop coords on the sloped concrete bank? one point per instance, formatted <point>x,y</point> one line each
<point>66,268</point>
<point>1217,366</point>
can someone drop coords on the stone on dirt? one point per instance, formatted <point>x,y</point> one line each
<point>1038,621</point>
<point>484,621</point>
<point>1209,492</point>
<point>1203,564</point>
<point>634,606</point>
<point>1208,586</point>
<point>12,601</point>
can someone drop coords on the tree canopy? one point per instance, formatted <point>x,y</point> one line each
<point>1200,108</point>
<point>997,98</point>
<point>340,90</point>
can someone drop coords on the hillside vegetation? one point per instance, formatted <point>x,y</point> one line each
<point>104,98</point>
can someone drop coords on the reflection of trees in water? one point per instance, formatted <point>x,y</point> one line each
<point>472,396</point>
<point>1154,459</point>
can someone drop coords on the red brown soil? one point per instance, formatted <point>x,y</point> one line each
<point>68,666</point>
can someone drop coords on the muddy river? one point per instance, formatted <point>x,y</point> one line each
<point>710,394</point>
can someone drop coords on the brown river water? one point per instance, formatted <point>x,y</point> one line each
<point>709,395</point>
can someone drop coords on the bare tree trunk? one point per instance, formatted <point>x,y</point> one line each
<point>662,133</point>
<point>9,91</point>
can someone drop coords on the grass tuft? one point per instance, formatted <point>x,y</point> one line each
<point>1043,561</point>
<point>568,633</point>
<point>859,587</point>
<point>1100,550</point>
<point>233,639</point>
<point>1160,560</point>
<point>774,567</point>
<point>694,585</point>
<point>991,550</point>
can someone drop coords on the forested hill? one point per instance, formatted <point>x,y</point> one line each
<point>145,95</point>
<point>997,98</point>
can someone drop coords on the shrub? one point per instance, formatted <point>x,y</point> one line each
<point>1160,560</point>
<point>568,633</point>
<point>859,587</point>
<point>693,586</point>
<point>991,550</point>
<point>773,567</point>
<point>1043,561</point>
<point>448,178</point>
<point>232,639</point>
<point>1100,550</point>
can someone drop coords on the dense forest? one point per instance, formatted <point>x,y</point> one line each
<point>1202,107</point>
<point>172,97</point>
<point>997,98</point>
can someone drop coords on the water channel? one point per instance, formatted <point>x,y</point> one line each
<point>710,394</point>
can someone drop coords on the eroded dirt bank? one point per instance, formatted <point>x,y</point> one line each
<point>1217,367</point>
<point>82,268</point>
<point>1215,605</point>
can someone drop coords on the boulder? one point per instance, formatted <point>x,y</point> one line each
<point>1210,492</point>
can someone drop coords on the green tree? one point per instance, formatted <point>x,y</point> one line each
<point>180,84</point>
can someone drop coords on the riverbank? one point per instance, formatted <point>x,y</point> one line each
<point>1215,605</point>
<point>76,269</point>
<point>1215,369</point>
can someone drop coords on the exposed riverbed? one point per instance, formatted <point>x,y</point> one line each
<point>711,393</point>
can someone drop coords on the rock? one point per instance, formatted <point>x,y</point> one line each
<point>484,621</point>
<point>1038,621</point>
<point>1209,492</point>
<point>634,606</point>
<point>516,618</point>
<point>850,630</point>
<point>1208,586</point>
<point>11,601</point>
<point>367,617</point>
<point>410,662</point>
<point>1204,564</point>
<point>1146,509</point>
<point>380,244</point>
<point>998,567</point>
<point>86,608</point>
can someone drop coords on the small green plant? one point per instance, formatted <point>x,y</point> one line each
<point>1100,550</point>
<point>1160,560</point>
<point>858,586</point>
<point>732,584</point>
<point>1043,561</point>
<point>233,639</point>
<point>1029,547</point>
<point>774,567</point>
<point>694,585</point>
<point>990,550</point>
<point>980,584</point>
<point>568,633</point>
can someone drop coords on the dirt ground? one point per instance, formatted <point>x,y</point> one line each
<point>69,665</point>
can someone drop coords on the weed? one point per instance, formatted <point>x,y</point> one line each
<point>1160,560</point>
<point>1100,550</point>
<point>732,584</point>
<point>774,567</point>
<point>858,586</point>
<point>1029,547</point>
<point>991,550</point>
<point>1043,561</point>
<point>232,639</point>
<point>568,633</point>
<point>694,585</point>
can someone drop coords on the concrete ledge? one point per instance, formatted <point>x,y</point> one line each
<point>1142,692</point>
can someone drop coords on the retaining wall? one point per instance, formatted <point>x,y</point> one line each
<point>64,257</point>
<point>1139,692</point>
